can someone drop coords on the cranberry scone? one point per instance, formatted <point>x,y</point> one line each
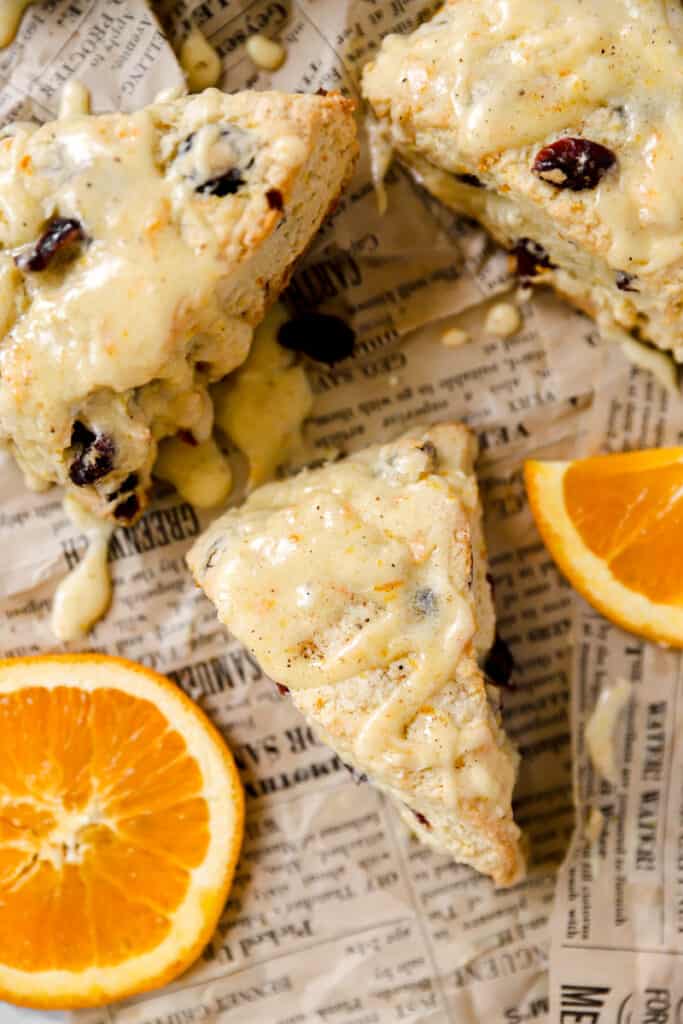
<point>558,125</point>
<point>137,253</point>
<point>361,588</point>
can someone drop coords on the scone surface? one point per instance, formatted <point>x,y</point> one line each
<point>473,99</point>
<point>137,253</point>
<point>361,587</point>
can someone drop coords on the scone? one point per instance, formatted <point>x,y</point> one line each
<point>138,251</point>
<point>361,588</point>
<point>557,124</point>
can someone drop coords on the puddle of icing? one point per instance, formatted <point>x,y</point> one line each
<point>263,405</point>
<point>200,473</point>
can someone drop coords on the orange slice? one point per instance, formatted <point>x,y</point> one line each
<point>614,525</point>
<point>121,819</point>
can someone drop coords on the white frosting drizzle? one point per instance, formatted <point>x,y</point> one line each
<point>74,100</point>
<point>600,727</point>
<point>362,566</point>
<point>83,597</point>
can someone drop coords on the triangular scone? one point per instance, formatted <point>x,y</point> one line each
<point>138,252</point>
<point>557,126</point>
<point>361,587</point>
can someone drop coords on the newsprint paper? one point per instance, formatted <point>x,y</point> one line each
<point>337,916</point>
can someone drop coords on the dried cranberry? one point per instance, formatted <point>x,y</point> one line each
<point>624,281</point>
<point>421,818</point>
<point>325,338</point>
<point>274,199</point>
<point>470,179</point>
<point>222,185</point>
<point>127,508</point>
<point>282,689</point>
<point>95,458</point>
<point>576,164</point>
<point>187,437</point>
<point>128,484</point>
<point>499,664</point>
<point>60,233</point>
<point>530,256</point>
<point>81,436</point>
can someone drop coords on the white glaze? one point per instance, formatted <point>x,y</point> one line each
<point>265,53</point>
<point>503,319</point>
<point>200,61</point>
<point>484,85</point>
<point>84,595</point>
<point>11,12</point>
<point>200,473</point>
<point>381,154</point>
<point>454,337</point>
<point>155,300</point>
<point>75,99</point>
<point>361,567</point>
<point>599,732</point>
<point>263,405</point>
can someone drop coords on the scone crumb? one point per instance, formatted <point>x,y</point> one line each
<point>265,53</point>
<point>454,337</point>
<point>503,319</point>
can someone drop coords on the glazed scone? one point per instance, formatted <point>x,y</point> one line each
<point>361,587</point>
<point>558,124</point>
<point>137,252</point>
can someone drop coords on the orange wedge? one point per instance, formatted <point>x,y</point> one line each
<point>614,525</point>
<point>121,819</point>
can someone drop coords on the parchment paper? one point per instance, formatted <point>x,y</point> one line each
<point>337,915</point>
